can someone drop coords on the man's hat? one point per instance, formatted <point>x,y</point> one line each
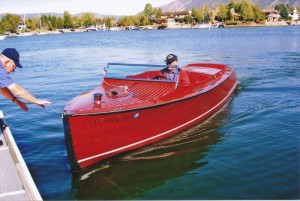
<point>13,54</point>
<point>171,58</point>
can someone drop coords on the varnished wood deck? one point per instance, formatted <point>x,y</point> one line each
<point>16,182</point>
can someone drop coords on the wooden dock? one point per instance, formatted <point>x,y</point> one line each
<point>16,182</point>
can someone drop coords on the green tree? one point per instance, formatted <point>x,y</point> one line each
<point>148,10</point>
<point>144,17</point>
<point>246,10</point>
<point>124,21</point>
<point>77,22</point>
<point>60,23</point>
<point>109,21</point>
<point>44,21</point>
<point>201,15</point>
<point>188,19</point>
<point>206,15</point>
<point>230,15</point>
<point>223,12</point>
<point>128,20</point>
<point>259,15</point>
<point>283,9</point>
<point>235,5</point>
<point>33,23</point>
<point>143,20</point>
<point>9,23</point>
<point>88,19</point>
<point>68,20</point>
<point>197,14</point>
<point>157,12</point>
<point>52,23</point>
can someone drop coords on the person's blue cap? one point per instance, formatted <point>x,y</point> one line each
<point>14,55</point>
<point>171,58</point>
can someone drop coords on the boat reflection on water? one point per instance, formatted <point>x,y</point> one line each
<point>132,174</point>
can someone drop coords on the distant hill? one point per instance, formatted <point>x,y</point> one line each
<point>178,5</point>
<point>188,4</point>
<point>38,15</point>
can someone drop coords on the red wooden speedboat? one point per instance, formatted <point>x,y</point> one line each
<point>130,111</point>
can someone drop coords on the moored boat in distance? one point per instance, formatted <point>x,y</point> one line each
<point>135,105</point>
<point>203,26</point>
<point>91,28</point>
<point>2,37</point>
<point>115,29</point>
<point>26,34</point>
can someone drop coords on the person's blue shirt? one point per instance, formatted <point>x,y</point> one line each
<point>5,79</point>
<point>170,75</point>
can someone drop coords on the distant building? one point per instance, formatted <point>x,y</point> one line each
<point>294,15</point>
<point>272,15</point>
<point>171,19</point>
<point>175,15</point>
<point>22,27</point>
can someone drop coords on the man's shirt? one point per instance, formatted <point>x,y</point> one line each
<point>5,79</point>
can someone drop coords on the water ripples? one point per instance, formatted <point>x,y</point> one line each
<point>249,150</point>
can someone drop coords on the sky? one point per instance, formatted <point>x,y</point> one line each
<point>111,7</point>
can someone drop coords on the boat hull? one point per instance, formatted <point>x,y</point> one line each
<point>94,137</point>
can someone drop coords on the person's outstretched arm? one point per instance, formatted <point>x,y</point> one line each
<point>19,91</point>
<point>10,96</point>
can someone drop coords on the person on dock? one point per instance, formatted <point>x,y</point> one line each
<point>8,88</point>
<point>170,71</point>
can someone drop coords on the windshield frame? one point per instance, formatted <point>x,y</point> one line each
<point>138,68</point>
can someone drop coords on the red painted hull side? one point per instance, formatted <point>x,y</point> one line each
<point>97,137</point>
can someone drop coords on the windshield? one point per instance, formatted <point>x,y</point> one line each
<point>137,72</point>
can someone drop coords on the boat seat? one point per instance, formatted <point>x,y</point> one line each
<point>196,78</point>
<point>148,75</point>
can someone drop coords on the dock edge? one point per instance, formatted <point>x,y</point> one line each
<point>19,162</point>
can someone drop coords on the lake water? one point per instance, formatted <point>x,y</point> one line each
<point>248,150</point>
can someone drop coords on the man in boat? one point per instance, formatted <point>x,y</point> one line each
<point>8,88</point>
<point>172,70</point>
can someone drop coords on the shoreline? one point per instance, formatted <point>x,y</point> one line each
<point>153,27</point>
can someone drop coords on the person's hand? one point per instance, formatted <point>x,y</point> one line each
<point>21,104</point>
<point>42,103</point>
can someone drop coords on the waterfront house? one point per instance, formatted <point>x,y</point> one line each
<point>294,15</point>
<point>272,15</point>
<point>171,20</point>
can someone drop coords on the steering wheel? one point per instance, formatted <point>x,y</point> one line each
<point>160,77</point>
